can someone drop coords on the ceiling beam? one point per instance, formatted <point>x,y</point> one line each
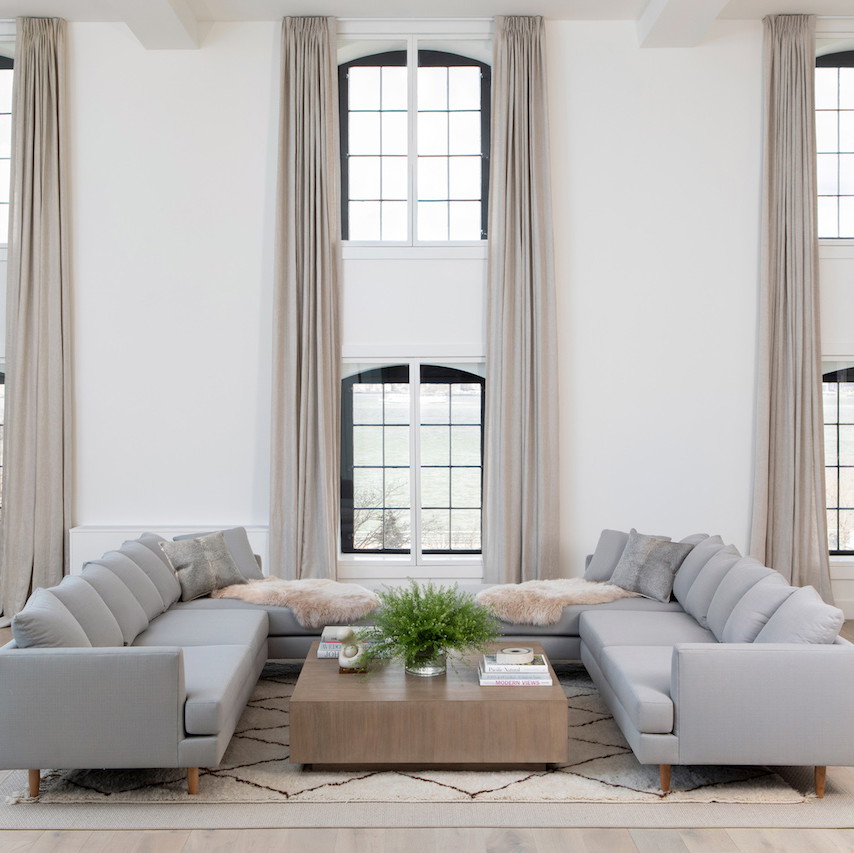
<point>164,24</point>
<point>677,23</point>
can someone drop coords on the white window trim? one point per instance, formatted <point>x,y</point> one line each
<point>415,565</point>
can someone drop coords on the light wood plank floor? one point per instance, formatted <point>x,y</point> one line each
<point>474,840</point>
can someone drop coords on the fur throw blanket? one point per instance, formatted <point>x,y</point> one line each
<point>314,602</point>
<point>542,602</point>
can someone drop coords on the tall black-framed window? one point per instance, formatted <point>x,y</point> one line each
<point>425,179</point>
<point>838,399</point>
<point>412,460</point>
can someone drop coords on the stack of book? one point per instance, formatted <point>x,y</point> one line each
<point>533,674</point>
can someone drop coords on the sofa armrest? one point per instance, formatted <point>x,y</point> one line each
<point>92,707</point>
<point>763,703</point>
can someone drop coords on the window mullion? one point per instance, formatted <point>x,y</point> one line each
<point>412,125</point>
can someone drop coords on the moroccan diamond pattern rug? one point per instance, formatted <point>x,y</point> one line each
<point>256,768</point>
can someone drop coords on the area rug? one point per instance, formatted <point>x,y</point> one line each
<point>256,769</point>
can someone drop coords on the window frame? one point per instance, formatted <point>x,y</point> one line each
<point>458,562</point>
<point>451,32</point>
<point>836,376</point>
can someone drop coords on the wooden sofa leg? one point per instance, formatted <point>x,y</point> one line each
<point>820,779</point>
<point>192,780</point>
<point>35,781</point>
<point>664,777</point>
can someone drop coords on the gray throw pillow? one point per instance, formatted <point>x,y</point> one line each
<point>237,542</point>
<point>608,551</point>
<point>45,622</point>
<point>803,617</point>
<point>202,565</point>
<point>648,565</point>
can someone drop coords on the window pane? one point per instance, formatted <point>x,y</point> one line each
<point>846,217</point>
<point>364,88</point>
<point>364,177</point>
<point>395,178</point>
<point>830,450</point>
<point>846,130</point>
<point>367,445</point>
<point>435,403</point>
<point>826,88</point>
<point>465,445</point>
<point>394,131</point>
<point>432,220</point>
<point>465,220</point>
<point>846,402</point>
<point>435,487</point>
<point>465,403</point>
<point>367,403</point>
<point>464,88</point>
<point>396,403</point>
<point>367,487</point>
<point>828,217</point>
<point>364,219</point>
<point>465,529</point>
<point>394,88</point>
<point>364,133</point>
<point>435,529</point>
<point>846,530</point>
<point>832,531</point>
<point>464,133</point>
<point>397,445</point>
<point>6,76</point>
<point>831,486</point>
<point>846,174</point>
<point>828,174</point>
<point>846,88</point>
<point>846,487</point>
<point>846,445</point>
<point>397,487</point>
<point>367,529</point>
<point>435,445</point>
<point>465,487</point>
<point>394,225</point>
<point>396,529</point>
<point>464,178</point>
<point>432,88</point>
<point>4,231</point>
<point>5,136</point>
<point>827,131</point>
<point>432,133</point>
<point>432,177</point>
<point>828,395</point>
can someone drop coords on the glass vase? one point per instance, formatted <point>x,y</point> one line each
<point>426,667</point>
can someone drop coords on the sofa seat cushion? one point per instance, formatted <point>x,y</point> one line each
<point>601,629</point>
<point>206,628</point>
<point>213,677</point>
<point>282,622</point>
<point>640,677</point>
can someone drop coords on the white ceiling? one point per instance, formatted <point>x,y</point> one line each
<point>183,23</point>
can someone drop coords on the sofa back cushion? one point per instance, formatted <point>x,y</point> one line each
<point>703,590</point>
<point>755,608</point>
<point>240,549</point>
<point>738,580</point>
<point>156,567</point>
<point>802,618</point>
<point>90,610</point>
<point>648,565</point>
<point>608,551</point>
<point>121,601</point>
<point>136,580</point>
<point>45,622</point>
<point>691,565</point>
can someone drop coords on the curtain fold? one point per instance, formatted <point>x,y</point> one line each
<point>37,440</point>
<point>306,393</point>
<point>789,530</point>
<point>521,428</point>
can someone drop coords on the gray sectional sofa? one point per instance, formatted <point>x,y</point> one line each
<point>111,669</point>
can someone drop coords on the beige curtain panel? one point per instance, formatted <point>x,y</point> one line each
<point>521,509</point>
<point>789,522</point>
<point>37,441</point>
<point>306,394</point>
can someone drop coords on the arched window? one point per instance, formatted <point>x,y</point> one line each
<point>838,395</point>
<point>414,154</point>
<point>411,460</point>
<point>834,129</point>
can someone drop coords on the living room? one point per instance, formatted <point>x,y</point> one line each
<point>656,138</point>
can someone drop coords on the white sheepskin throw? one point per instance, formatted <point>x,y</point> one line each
<point>542,602</point>
<point>314,602</point>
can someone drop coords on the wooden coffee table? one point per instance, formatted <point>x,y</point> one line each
<point>393,719</point>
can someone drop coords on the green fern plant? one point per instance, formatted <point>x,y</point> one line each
<point>418,623</point>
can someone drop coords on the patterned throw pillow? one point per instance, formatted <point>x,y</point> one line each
<point>649,564</point>
<point>202,565</point>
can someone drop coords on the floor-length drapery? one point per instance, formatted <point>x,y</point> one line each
<point>789,531</point>
<point>306,393</point>
<point>36,451</point>
<point>521,427</point>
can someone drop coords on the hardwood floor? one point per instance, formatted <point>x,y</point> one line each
<point>415,840</point>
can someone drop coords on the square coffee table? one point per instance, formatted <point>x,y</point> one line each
<point>392,719</point>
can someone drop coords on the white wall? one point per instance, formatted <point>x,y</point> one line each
<point>656,176</point>
<point>656,159</point>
